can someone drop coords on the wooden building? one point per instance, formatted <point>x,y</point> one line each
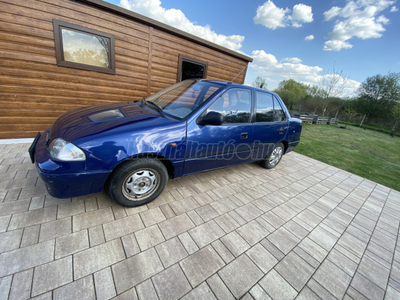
<point>56,55</point>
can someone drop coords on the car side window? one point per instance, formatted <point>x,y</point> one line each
<point>234,105</point>
<point>279,113</point>
<point>265,107</point>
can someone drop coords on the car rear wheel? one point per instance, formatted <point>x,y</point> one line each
<point>137,182</point>
<point>274,158</point>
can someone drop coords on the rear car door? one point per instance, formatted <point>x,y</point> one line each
<point>270,124</point>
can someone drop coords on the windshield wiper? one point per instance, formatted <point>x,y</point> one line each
<point>159,109</point>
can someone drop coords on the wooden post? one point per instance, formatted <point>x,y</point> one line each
<point>362,121</point>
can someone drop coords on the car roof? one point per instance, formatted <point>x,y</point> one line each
<point>238,85</point>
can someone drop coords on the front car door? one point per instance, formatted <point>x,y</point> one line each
<point>213,146</point>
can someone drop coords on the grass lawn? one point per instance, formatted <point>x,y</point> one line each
<point>370,154</point>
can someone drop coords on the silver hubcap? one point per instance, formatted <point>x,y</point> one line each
<point>141,184</point>
<point>275,156</point>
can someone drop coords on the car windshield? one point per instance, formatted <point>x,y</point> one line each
<point>183,98</point>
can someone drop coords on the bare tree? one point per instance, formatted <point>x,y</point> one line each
<point>332,86</point>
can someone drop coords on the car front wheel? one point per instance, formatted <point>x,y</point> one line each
<point>274,158</point>
<point>137,182</point>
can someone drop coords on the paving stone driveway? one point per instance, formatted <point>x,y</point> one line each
<point>304,229</point>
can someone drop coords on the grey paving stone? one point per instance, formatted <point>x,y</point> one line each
<point>146,290</point>
<point>122,227</point>
<point>33,217</point>
<point>307,294</point>
<point>253,232</point>
<point>295,270</point>
<point>80,289</point>
<point>240,275</point>
<point>96,236</point>
<point>136,269</point>
<point>258,293</point>
<point>195,217</point>
<point>52,275</point>
<point>283,240</point>
<point>130,244</point>
<point>188,243</point>
<point>332,278</point>
<point>219,288</point>
<point>167,211</point>
<point>104,284</point>
<point>374,271</point>
<point>171,252</point>
<point>4,221</point>
<point>149,237</point>
<point>296,229</point>
<point>201,265</point>
<point>175,226</point>
<point>14,207</point>
<point>206,212</point>
<point>206,233</point>
<point>72,243</point>
<point>262,258</point>
<point>249,212</point>
<point>352,244</point>
<point>277,287</point>
<point>342,261</point>
<point>183,205</point>
<point>70,209</point>
<point>392,294</point>
<point>201,292</point>
<point>223,252</point>
<point>313,249</point>
<point>92,218</point>
<point>21,285</point>
<point>235,243</point>
<point>152,216</point>
<point>227,223</point>
<point>366,287</point>
<point>54,229</point>
<point>171,283</point>
<point>10,240</point>
<point>323,238</point>
<point>5,284</point>
<point>26,258</point>
<point>94,259</point>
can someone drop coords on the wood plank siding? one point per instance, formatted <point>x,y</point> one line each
<point>34,91</point>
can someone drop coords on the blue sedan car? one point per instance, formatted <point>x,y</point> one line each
<point>131,149</point>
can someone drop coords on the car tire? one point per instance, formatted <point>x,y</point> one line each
<point>274,158</point>
<point>137,182</point>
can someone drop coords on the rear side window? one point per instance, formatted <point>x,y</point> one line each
<point>279,113</point>
<point>268,108</point>
<point>265,107</point>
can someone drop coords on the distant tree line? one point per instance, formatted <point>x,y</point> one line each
<point>377,100</point>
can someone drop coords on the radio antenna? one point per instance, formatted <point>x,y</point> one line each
<point>239,73</point>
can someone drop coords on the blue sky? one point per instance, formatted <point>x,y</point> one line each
<point>300,39</point>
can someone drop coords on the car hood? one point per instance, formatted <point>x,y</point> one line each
<point>86,121</point>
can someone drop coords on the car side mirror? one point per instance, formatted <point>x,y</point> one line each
<point>211,118</point>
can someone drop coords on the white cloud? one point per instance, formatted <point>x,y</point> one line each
<point>358,18</point>
<point>301,14</point>
<point>268,66</point>
<point>309,38</point>
<point>394,9</point>
<point>271,16</point>
<point>176,18</point>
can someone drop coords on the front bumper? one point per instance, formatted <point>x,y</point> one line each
<point>65,179</point>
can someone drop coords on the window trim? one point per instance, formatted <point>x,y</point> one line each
<point>58,25</point>
<point>183,58</point>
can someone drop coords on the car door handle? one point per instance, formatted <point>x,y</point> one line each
<point>281,130</point>
<point>244,135</point>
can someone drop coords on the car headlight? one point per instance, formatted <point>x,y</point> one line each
<point>65,151</point>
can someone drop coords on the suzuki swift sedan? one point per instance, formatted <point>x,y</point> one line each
<point>131,149</point>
